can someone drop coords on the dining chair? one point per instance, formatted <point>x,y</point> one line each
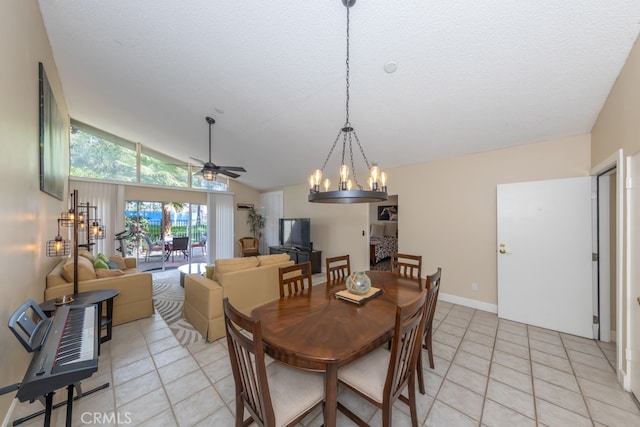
<point>432,285</point>
<point>294,279</point>
<point>274,395</point>
<point>249,246</point>
<point>406,265</point>
<point>180,244</point>
<point>152,248</point>
<point>338,267</point>
<point>382,375</point>
<point>202,244</point>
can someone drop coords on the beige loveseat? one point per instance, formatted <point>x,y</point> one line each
<point>248,282</point>
<point>135,298</point>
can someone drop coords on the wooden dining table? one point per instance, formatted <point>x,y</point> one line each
<point>319,332</point>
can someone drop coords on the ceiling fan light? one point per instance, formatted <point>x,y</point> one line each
<point>208,175</point>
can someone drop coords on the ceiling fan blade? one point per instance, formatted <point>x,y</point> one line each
<point>233,168</point>
<point>229,174</point>
<point>198,160</point>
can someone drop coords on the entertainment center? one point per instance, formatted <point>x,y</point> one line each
<point>300,255</point>
<point>295,240</point>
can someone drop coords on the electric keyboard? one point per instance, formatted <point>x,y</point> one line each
<point>67,355</point>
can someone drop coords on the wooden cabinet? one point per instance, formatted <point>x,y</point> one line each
<point>300,255</point>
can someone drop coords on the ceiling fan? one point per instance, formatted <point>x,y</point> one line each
<point>210,170</point>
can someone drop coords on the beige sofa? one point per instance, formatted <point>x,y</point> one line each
<point>135,298</point>
<point>248,282</point>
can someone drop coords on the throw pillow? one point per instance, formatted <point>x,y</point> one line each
<point>122,265</point>
<point>85,270</point>
<point>210,271</point>
<point>272,259</point>
<point>88,255</point>
<point>108,273</point>
<point>99,264</point>
<point>113,266</point>
<point>377,231</point>
<point>102,257</point>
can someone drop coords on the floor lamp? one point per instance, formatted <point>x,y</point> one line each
<point>82,218</point>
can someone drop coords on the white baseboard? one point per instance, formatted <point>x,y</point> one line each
<point>467,302</point>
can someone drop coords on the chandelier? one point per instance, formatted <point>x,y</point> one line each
<point>348,190</point>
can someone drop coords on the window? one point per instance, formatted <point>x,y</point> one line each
<point>99,155</point>
<point>158,169</point>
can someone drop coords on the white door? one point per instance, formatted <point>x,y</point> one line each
<point>544,254</point>
<point>633,251</point>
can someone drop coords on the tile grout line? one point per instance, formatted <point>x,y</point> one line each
<point>584,398</point>
<point>493,349</point>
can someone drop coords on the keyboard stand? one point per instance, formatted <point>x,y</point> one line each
<point>49,407</point>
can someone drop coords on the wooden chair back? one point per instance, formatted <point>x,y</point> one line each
<point>432,285</point>
<point>248,366</point>
<point>295,279</point>
<point>338,267</point>
<point>406,265</point>
<point>405,347</point>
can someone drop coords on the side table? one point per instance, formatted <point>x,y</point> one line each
<point>91,297</point>
<point>193,268</point>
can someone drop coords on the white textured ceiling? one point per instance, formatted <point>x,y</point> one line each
<point>472,75</point>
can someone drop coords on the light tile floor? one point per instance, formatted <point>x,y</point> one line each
<point>488,372</point>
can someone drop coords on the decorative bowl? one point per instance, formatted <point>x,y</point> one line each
<point>358,283</point>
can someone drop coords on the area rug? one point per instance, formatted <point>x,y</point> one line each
<point>168,297</point>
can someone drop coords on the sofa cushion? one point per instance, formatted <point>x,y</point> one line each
<point>108,273</point>
<point>100,264</point>
<point>272,259</point>
<point>122,265</point>
<point>85,270</point>
<point>227,265</point>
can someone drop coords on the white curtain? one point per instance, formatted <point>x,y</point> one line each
<point>105,198</point>
<point>271,207</point>
<point>220,226</point>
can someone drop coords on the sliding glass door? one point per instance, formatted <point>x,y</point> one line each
<point>152,226</point>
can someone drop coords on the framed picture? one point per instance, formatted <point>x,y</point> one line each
<point>388,213</point>
<point>52,141</point>
<point>244,206</point>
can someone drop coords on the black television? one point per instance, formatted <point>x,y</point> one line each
<point>295,233</point>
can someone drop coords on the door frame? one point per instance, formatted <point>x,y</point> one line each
<point>616,160</point>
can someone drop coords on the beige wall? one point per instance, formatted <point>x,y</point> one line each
<point>617,125</point>
<point>335,229</point>
<point>448,210</point>
<point>27,215</point>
